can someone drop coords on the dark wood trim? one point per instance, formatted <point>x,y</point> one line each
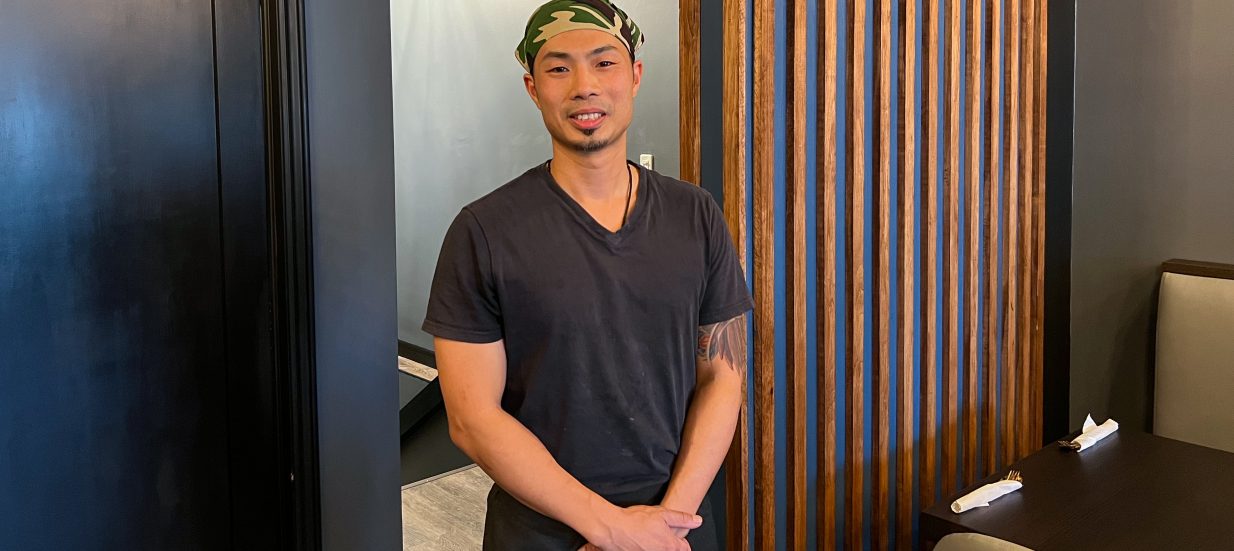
<point>253,466</point>
<point>855,285</point>
<point>825,320</point>
<point>1039,198</point>
<point>929,241</point>
<point>689,85</point>
<point>736,463</point>
<point>906,126</point>
<point>1028,235</point>
<point>764,161</point>
<point>1198,268</point>
<point>288,190</point>
<point>880,278</point>
<point>796,315</point>
<point>951,256</point>
<point>989,288</point>
<point>972,233</point>
<point>1060,63</point>
<point>1011,232</point>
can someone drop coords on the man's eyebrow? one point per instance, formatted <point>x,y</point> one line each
<point>593,53</point>
<point>601,50</point>
<point>557,55</point>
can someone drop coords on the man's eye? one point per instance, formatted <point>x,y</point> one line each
<point>556,69</point>
<point>607,63</point>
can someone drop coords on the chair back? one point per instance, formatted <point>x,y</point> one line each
<point>1194,391</point>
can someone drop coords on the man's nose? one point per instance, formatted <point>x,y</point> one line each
<point>586,84</point>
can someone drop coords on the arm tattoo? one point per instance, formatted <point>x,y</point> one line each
<point>724,341</point>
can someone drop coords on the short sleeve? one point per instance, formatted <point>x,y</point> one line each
<point>726,294</point>
<point>462,303</point>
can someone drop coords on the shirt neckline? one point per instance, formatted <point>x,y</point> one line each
<point>583,217</point>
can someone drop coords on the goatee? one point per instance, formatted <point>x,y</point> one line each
<point>590,146</point>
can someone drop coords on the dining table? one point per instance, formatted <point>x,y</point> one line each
<point>1131,490</point>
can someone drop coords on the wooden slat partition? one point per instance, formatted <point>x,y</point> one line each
<point>795,276</point>
<point>972,276</point>
<point>689,88</point>
<point>981,210</point>
<point>929,277</point>
<point>736,464</point>
<point>825,322</point>
<point>764,276</point>
<point>881,278</point>
<point>906,127</point>
<point>1011,243</point>
<point>951,256</point>
<point>989,289</point>
<point>855,284</point>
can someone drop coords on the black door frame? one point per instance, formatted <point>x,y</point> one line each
<point>290,246</point>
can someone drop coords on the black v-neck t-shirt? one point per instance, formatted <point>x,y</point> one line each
<point>599,327</point>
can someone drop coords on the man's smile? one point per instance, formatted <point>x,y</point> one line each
<point>588,119</point>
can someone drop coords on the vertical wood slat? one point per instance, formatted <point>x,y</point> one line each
<point>795,276</point>
<point>994,71</point>
<point>855,282</point>
<point>951,257</point>
<point>1039,215</point>
<point>828,33</point>
<point>737,484</point>
<point>1027,66</point>
<point>764,276</point>
<point>689,88</point>
<point>929,358</point>
<point>972,206</point>
<point>1011,245</point>
<point>907,124</point>
<point>881,279</point>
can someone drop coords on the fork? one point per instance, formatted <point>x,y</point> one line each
<point>1014,476</point>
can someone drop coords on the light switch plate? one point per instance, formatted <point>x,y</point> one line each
<point>647,160</point>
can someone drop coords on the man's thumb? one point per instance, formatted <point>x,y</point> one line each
<point>679,519</point>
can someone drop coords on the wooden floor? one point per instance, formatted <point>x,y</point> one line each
<point>446,513</point>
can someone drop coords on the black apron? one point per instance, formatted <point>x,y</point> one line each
<point>512,526</point>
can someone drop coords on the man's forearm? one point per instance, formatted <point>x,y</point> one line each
<point>522,466</point>
<point>709,427</point>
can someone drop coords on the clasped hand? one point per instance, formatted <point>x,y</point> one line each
<point>646,528</point>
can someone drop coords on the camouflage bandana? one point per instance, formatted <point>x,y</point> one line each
<point>558,16</point>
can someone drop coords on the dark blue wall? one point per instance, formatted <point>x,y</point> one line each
<point>352,185</point>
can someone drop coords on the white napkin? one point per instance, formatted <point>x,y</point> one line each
<point>1093,433</point>
<point>981,497</point>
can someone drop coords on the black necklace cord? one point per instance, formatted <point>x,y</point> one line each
<point>548,165</point>
<point>629,191</point>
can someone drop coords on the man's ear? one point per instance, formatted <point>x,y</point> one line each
<point>637,67</point>
<point>530,83</point>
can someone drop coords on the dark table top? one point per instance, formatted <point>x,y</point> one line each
<point>1130,491</point>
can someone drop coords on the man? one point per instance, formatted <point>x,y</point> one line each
<point>589,317</point>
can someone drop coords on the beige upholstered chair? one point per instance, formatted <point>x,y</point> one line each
<point>1194,399</point>
<point>975,542</point>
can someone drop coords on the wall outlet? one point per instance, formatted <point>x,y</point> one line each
<point>647,160</point>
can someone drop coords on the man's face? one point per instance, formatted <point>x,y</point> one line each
<point>584,84</point>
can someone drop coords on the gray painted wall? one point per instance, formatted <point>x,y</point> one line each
<point>351,174</point>
<point>1153,179</point>
<point>463,124</point>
